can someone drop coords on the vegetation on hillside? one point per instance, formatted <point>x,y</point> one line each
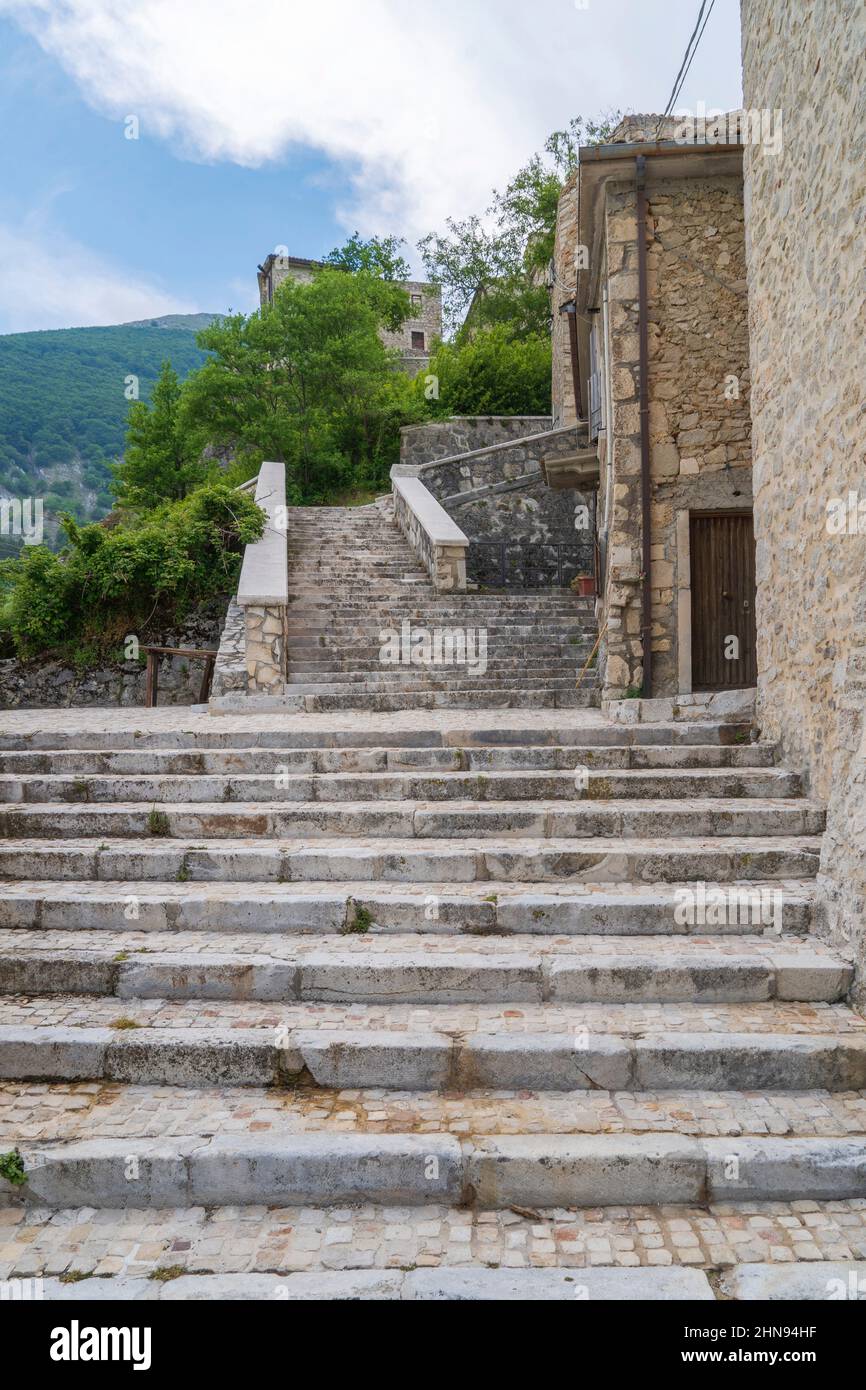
<point>109,582</point>
<point>63,407</point>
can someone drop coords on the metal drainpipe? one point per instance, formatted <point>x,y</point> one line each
<point>643,391</point>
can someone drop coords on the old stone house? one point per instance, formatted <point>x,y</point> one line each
<point>804,258</point>
<point>650,333</point>
<point>413,340</point>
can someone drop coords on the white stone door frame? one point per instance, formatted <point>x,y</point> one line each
<point>684,601</point>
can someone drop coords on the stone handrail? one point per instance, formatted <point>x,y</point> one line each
<point>435,538</point>
<point>263,588</point>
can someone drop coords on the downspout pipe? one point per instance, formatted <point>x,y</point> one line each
<point>643,396</point>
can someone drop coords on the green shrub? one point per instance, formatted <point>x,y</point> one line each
<point>110,581</point>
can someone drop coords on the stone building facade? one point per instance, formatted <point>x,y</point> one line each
<point>695,430</point>
<point>413,340</point>
<point>804,252</point>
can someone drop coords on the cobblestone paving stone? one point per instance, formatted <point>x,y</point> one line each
<point>272,948</point>
<point>171,720</point>
<point>32,1112</point>
<point>624,1020</point>
<point>262,1240</point>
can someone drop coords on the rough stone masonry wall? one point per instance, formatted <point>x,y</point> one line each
<point>565,279</point>
<point>459,434</point>
<point>700,455</point>
<point>805,221</point>
<point>499,494</point>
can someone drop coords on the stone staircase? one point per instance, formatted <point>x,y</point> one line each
<point>419,1006</point>
<point>353,579</point>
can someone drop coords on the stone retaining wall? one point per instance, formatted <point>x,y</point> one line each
<point>439,439</point>
<point>43,684</point>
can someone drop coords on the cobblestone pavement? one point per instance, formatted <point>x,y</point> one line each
<point>259,1240</point>
<point>171,719</point>
<point>271,947</point>
<point>31,1111</point>
<point>624,1020</point>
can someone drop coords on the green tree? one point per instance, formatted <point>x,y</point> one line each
<point>379,256</point>
<point>493,263</point>
<point>304,380</point>
<point>378,267</point>
<point>163,458</point>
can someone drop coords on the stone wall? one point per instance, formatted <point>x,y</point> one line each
<point>699,405</point>
<point>499,495</point>
<point>440,439</point>
<point>562,289</point>
<point>41,684</point>
<point>805,260</point>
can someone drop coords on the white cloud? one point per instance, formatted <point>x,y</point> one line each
<point>47,281</point>
<point>426,105</point>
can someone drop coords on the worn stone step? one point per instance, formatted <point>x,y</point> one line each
<point>494,909</point>
<point>337,859</point>
<point>462,1285</point>
<point>380,703</point>
<point>264,761</point>
<point>285,782</point>
<point>303,1047</point>
<point>179,729</point>
<point>489,1173</point>
<point>424,820</point>
<point>410,970</point>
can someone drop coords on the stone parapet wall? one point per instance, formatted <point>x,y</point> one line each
<point>433,536</point>
<point>439,439</point>
<point>805,260</point>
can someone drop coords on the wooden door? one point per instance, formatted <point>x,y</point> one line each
<point>723,600</point>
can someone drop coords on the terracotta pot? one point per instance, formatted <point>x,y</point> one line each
<point>586,585</point>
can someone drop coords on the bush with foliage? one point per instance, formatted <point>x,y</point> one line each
<point>493,373</point>
<point>110,581</point>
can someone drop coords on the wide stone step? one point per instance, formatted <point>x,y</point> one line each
<point>181,729</point>
<point>464,860</point>
<point>284,782</point>
<point>486,1172</point>
<point>253,760</point>
<point>473,1284</point>
<point>452,682</point>
<point>448,1048</point>
<point>544,820</point>
<point>439,911</point>
<point>517,697</point>
<point>411,970</point>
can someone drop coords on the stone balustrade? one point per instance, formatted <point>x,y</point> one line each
<point>263,589</point>
<point>437,540</point>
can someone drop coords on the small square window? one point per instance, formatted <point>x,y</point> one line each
<point>418,341</point>
<point>417,302</point>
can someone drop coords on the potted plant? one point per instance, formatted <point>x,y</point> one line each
<point>584,584</point>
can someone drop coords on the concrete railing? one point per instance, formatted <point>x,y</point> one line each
<point>263,589</point>
<point>435,538</point>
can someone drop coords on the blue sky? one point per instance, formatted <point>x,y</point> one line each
<point>263,124</point>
